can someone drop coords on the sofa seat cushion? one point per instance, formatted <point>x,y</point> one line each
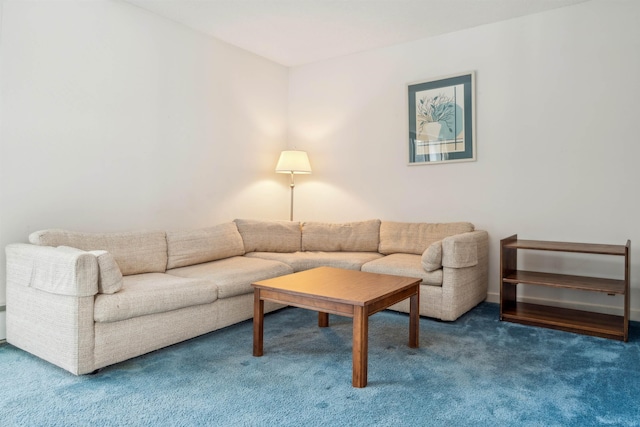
<point>151,293</point>
<point>409,265</point>
<point>305,260</point>
<point>234,276</point>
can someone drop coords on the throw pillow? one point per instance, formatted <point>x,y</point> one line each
<point>109,275</point>
<point>432,256</point>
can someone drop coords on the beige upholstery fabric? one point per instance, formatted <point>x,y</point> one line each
<point>232,310</point>
<point>55,270</point>
<point>362,236</point>
<point>269,236</point>
<point>207,244</point>
<point>430,302</point>
<point>150,293</point>
<point>109,275</point>
<point>234,276</point>
<point>135,252</point>
<point>56,328</point>
<point>465,288</point>
<point>432,256</point>
<point>460,251</point>
<point>462,288</point>
<point>404,265</point>
<point>305,260</point>
<point>414,238</point>
<point>118,341</point>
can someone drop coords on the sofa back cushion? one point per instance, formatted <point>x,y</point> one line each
<point>135,252</point>
<point>203,245</point>
<point>269,236</point>
<point>415,238</point>
<point>362,236</point>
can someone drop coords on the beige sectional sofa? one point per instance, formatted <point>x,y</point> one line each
<point>83,301</point>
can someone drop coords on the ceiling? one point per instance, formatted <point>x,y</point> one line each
<point>296,32</point>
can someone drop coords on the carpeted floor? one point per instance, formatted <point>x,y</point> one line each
<point>475,371</point>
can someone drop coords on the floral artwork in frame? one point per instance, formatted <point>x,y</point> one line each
<point>441,120</point>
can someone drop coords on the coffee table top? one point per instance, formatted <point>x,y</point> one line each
<point>340,285</point>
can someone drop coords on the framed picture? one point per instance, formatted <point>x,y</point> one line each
<point>442,120</point>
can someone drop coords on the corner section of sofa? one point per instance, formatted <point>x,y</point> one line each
<point>459,280</point>
<point>306,245</point>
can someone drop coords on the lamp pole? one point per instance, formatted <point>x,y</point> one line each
<point>293,162</point>
<point>292,185</point>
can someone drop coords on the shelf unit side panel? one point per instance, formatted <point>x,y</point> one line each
<point>508,265</point>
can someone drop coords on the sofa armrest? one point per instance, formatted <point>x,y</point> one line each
<point>461,250</point>
<point>50,295</point>
<point>52,270</point>
<point>465,277</point>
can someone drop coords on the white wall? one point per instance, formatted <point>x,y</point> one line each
<point>557,99</point>
<point>116,119</point>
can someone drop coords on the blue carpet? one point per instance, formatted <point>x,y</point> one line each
<point>475,371</point>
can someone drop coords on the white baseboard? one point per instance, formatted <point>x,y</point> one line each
<point>599,308</point>
<point>3,325</point>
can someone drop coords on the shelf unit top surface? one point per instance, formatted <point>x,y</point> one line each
<point>588,248</point>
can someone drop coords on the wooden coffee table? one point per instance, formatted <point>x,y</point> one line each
<point>348,293</point>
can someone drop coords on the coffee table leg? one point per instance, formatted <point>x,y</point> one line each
<point>323,319</point>
<point>360,346</point>
<point>258,323</point>
<point>414,320</point>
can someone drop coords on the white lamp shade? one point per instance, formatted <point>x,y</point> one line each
<point>293,161</point>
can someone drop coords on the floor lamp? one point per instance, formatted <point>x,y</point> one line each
<point>293,162</point>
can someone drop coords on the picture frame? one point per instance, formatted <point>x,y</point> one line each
<point>442,120</point>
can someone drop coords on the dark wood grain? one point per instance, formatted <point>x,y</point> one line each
<point>360,347</point>
<point>508,264</point>
<point>585,248</point>
<point>258,323</point>
<point>585,283</point>
<point>584,322</point>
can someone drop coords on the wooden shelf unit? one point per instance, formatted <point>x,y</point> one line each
<point>578,321</point>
